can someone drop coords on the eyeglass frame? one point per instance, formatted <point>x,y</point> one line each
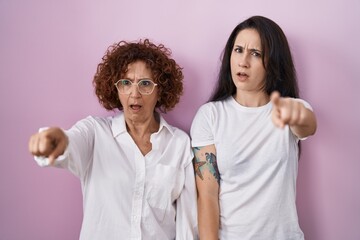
<point>137,85</point>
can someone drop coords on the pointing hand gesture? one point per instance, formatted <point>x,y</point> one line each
<point>49,143</point>
<point>288,111</point>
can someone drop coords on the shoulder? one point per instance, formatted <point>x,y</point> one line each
<point>94,122</point>
<point>175,132</point>
<point>179,133</point>
<point>209,108</point>
<point>179,142</point>
<point>98,120</point>
<point>212,110</point>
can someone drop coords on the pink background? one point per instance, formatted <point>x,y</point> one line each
<point>49,51</point>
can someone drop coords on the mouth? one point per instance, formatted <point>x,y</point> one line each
<point>135,107</point>
<point>242,76</point>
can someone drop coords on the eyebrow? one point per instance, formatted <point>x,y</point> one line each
<point>251,49</point>
<point>144,78</point>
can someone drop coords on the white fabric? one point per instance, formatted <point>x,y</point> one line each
<point>127,195</point>
<point>258,166</point>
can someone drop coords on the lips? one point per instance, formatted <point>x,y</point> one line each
<point>135,107</point>
<point>242,76</point>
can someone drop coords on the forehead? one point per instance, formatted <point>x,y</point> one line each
<point>138,68</point>
<point>248,38</point>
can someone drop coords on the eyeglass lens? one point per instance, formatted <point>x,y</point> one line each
<point>144,86</point>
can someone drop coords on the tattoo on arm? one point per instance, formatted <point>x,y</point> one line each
<point>210,165</point>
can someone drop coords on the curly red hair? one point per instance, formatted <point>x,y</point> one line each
<point>166,72</point>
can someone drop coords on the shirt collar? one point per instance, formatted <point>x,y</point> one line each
<point>118,125</point>
<point>164,124</point>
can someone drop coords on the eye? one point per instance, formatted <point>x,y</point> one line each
<point>238,49</point>
<point>256,54</point>
<point>145,83</point>
<point>125,82</point>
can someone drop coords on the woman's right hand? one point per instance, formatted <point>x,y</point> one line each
<point>50,143</point>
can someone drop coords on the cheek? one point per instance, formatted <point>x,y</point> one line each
<point>122,99</point>
<point>263,74</point>
<point>233,67</point>
<point>150,101</point>
<point>154,100</point>
<point>260,71</point>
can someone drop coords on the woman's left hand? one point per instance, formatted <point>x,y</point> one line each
<point>288,111</point>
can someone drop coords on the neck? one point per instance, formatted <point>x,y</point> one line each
<point>251,99</point>
<point>143,128</point>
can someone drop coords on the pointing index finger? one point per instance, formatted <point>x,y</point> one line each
<point>274,97</point>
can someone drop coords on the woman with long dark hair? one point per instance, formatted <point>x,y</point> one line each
<point>245,139</point>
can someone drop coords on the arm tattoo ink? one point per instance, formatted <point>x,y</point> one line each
<point>210,164</point>
<point>198,164</point>
<point>213,167</point>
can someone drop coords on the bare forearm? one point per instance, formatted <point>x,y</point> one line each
<point>208,218</point>
<point>208,183</point>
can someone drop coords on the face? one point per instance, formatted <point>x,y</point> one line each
<point>137,107</point>
<point>247,70</point>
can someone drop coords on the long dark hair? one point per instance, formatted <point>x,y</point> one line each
<point>277,61</point>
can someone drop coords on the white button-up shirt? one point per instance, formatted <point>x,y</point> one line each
<point>127,195</point>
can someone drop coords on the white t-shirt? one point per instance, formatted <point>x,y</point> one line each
<point>127,195</point>
<point>258,166</point>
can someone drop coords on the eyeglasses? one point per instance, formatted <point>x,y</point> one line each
<point>145,86</point>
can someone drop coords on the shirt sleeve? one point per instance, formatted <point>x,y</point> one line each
<point>78,154</point>
<point>80,150</point>
<point>308,106</point>
<point>186,204</point>
<point>202,127</point>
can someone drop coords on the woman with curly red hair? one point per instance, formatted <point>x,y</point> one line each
<point>135,169</point>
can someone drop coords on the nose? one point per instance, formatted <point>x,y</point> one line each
<point>135,91</point>
<point>243,60</point>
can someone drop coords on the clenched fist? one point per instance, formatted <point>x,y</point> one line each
<point>50,143</point>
